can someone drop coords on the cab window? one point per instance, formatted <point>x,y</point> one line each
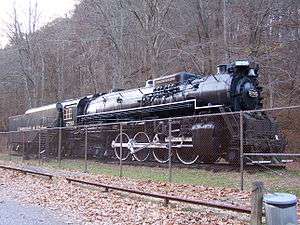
<point>68,114</point>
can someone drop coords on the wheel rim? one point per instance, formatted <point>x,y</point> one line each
<point>142,153</point>
<point>161,155</point>
<point>125,150</point>
<point>186,156</point>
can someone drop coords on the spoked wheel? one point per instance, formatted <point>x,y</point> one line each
<point>142,140</point>
<point>161,155</point>
<point>125,150</point>
<point>186,156</point>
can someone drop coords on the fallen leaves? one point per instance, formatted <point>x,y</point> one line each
<point>90,206</point>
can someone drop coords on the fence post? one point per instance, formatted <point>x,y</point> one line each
<point>39,153</point>
<point>241,151</point>
<point>59,147</point>
<point>10,146</point>
<point>24,146</point>
<point>85,149</point>
<point>256,203</point>
<point>121,150</point>
<point>170,151</point>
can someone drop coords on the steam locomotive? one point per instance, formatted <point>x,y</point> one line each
<point>204,126</point>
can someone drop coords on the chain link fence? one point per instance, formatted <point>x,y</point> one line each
<point>279,169</point>
<point>224,150</point>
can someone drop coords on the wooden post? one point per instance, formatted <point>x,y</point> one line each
<point>256,203</point>
<point>166,202</point>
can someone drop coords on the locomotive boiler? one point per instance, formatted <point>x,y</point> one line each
<point>205,123</point>
<point>235,86</point>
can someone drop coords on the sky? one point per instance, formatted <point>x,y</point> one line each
<point>48,10</point>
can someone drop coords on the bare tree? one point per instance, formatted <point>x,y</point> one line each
<point>121,43</point>
<point>22,40</point>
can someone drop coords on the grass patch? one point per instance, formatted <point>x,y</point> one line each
<point>285,181</point>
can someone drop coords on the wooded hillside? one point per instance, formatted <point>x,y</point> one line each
<point>109,44</point>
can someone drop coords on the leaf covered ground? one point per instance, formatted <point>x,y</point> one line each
<point>86,205</point>
<point>90,205</point>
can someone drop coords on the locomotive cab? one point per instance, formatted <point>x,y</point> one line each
<point>69,112</point>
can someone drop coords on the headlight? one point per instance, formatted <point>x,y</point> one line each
<point>253,93</point>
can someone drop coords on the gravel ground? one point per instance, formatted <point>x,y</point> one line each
<point>84,205</point>
<point>14,213</point>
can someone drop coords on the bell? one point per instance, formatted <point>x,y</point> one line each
<point>251,73</point>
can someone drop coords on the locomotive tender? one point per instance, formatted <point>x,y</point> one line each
<point>234,88</point>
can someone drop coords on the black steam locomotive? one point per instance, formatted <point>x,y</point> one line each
<point>198,131</point>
